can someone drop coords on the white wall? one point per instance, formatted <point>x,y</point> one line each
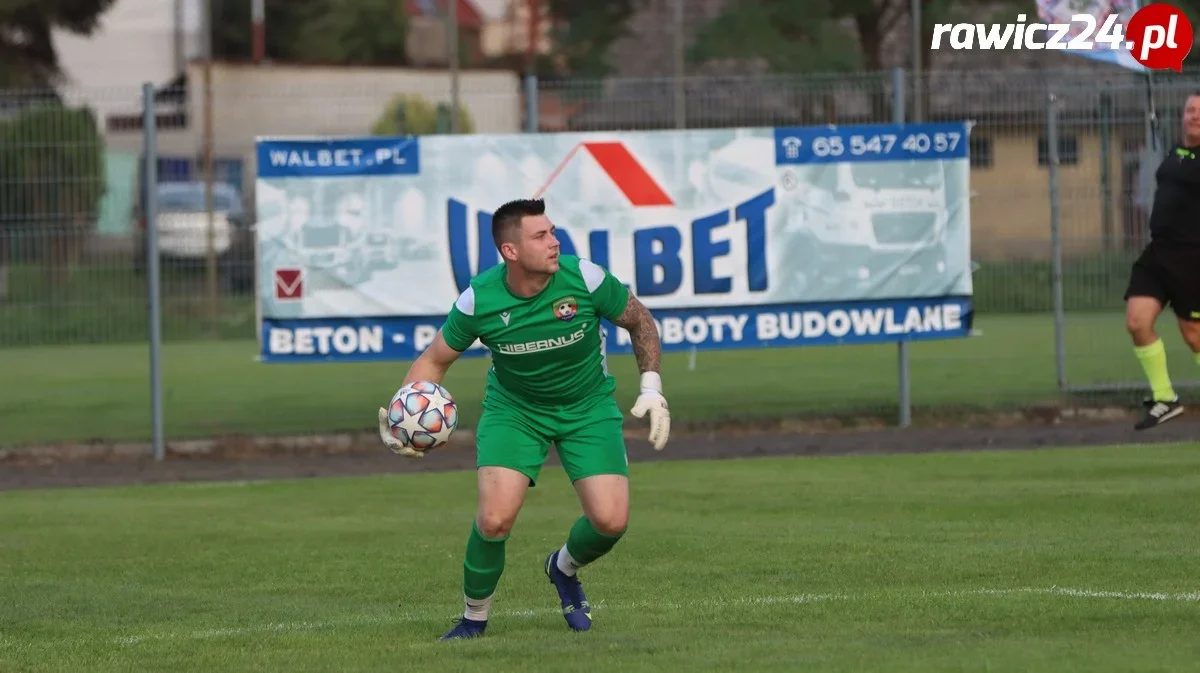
<point>282,100</point>
<point>277,100</point>
<point>134,43</point>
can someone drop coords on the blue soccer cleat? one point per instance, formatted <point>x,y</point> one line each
<point>575,606</point>
<point>465,628</point>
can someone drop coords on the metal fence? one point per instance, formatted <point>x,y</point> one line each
<point>1059,205</point>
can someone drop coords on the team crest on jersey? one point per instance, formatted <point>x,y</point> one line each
<point>566,309</point>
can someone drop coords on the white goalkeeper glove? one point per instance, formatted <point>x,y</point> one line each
<point>396,446</point>
<point>651,401</point>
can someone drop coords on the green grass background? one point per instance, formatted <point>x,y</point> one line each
<point>75,365</point>
<point>101,392</point>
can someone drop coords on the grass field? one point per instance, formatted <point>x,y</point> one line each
<point>95,385</point>
<point>79,393</point>
<point>1059,560</point>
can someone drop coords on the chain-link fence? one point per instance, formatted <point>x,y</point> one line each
<point>73,293</point>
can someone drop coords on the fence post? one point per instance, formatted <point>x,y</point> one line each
<point>453,63</point>
<point>679,90</point>
<point>903,380</point>
<point>153,285</point>
<point>1056,269</point>
<point>678,84</point>
<point>531,103</point>
<point>1106,191</point>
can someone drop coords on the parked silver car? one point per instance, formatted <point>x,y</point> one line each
<point>183,232</point>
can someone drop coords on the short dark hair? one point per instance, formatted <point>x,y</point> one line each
<point>507,218</point>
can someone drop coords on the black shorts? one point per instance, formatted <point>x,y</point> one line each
<point>1169,272</point>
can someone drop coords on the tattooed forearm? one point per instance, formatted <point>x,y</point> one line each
<point>643,334</point>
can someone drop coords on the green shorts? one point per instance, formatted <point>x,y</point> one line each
<point>587,435</point>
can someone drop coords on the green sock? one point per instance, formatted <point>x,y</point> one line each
<point>483,565</point>
<point>1154,363</point>
<point>585,544</point>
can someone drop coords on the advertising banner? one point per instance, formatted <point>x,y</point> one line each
<point>734,238</point>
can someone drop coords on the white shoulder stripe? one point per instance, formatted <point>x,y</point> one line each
<point>466,301</point>
<point>593,274</point>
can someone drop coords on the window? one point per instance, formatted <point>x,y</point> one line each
<point>1068,150</point>
<point>981,152</point>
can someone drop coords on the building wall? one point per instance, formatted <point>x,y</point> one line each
<point>1010,209</point>
<point>251,101</point>
<point>510,33</point>
<point>134,43</point>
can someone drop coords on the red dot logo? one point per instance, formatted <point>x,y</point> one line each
<point>1159,37</point>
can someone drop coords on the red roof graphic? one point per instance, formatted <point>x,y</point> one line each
<point>625,171</point>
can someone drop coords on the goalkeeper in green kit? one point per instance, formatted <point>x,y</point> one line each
<point>539,314</point>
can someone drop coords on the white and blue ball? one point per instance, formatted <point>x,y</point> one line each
<point>423,415</point>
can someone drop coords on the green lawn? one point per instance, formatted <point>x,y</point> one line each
<point>1057,560</point>
<point>107,303</point>
<point>65,393</point>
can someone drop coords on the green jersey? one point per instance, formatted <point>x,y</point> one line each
<point>547,349</point>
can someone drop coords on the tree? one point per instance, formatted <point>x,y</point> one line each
<point>411,114</point>
<point>583,31</point>
<point>798,36</point>
<point>788,35</point>
<point>232,32</point>
<point>958,11</point>
<point>1192,9</point>
<point>27,55</point>
<point>362,32</point>
<point>50,219</point>
<point>816,35</point>
<point>340,32</point>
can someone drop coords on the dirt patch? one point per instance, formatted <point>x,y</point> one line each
<point>241,458</point>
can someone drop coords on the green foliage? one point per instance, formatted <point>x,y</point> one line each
<point>584,31</point>
<point>412,114</point>
<point>366,32</point>
<point>232,38</point>
<point>338,32</point>
<point>373,32</point>
<point>790,35</point>
<point>52,163</point>
<point>812,36</point>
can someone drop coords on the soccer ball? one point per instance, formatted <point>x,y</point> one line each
<point>422,415</point>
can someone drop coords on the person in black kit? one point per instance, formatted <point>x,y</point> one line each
<point>1168,270</point>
